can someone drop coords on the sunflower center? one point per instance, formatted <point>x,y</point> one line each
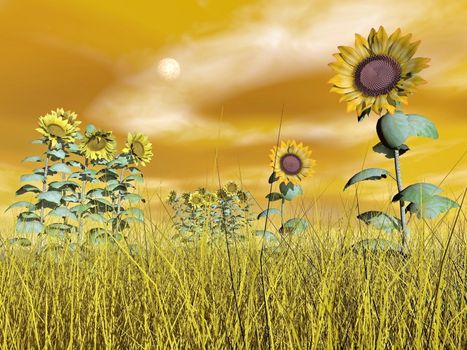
<point>377,75</point>
<point>291,164</point>
<point>137,148</point>
<point>97,143</point>
<point>232,187</point>
<point>56,130</point>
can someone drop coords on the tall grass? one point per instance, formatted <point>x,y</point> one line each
<point>177,295</point>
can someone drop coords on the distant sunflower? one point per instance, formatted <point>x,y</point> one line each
<point>378,73</point>
<point>139,147</point>
<point>98,144</point>
<point>196,199</point>
<point>56,129</point>
<point>231,188</point>
<point>291,161</point>
<point>70,116</point>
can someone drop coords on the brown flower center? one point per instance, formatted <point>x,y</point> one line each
<point>232,187</point>
<point>291,164</point>
<point>377,75</point>
<point>56,130</point>
<point>97,143</point>
<point>137,148</point>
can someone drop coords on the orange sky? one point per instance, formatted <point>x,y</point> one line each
<point>99,58</point>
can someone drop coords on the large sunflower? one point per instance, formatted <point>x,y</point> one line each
<point>291,161</point>
<point>196,200</point>
<point>139,147</point>
<point>98,144</point>
<point>378,73</point>
<point>56,129</point>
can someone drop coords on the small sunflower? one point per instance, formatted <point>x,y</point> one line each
<point>56,129</point>
<point>210,198</point>
<point>70,116</point>
<point>231,188</point>
<point>378,73</point>
<point>98,144</point>
<point>291,161</point>
<point>139,147</point>
<point>196,199</point>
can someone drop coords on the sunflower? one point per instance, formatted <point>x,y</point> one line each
<point>231,188</point>
<point>378,73</point>
<point>139,147</point>
<point>98,144</point>
<point>70,116</point>
<point>196,199</point>
<point>56,129</point>
<point>291,161</point>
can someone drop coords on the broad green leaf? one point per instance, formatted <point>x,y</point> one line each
<point>134,212</point>
<point>73,147</point>
<point>393,129</point>
<point>132,220</point>
<point>32,159</point>
<point>73,198</point>
<point>290,191</point>
<point>134,170</point>
<point>116,187</point>
<point>75,164</point>
<point>27,189</point>
<point>60,168</point>
<point>95,217</point>
<point>421,126</point>
<point>63,212</point>
<point>56,154</point>
<point>64,185</point>
<point>101,205</point>
<point>274,196</point>
<point>23,242</point>
<point>267,235</point>
<point>29,226</point>
<point>268,212</point>
<point>51,196</point>
<point>294,226</point>
<point>118,224</point>
<point>132,197</point>
<point>380,221</point>
<point>364,114</point>
<point>136,178</point>
<point>273,178</point>
<point>377,245</point>
<point>417,193</point>
<point>28,216</point>
<point>388,152</point>
<point>80,209</point>
<point>432,207</point>
<point>367,174</point>
<point>97,193</point>
<point>21,204</point>
<point>31,178</point>
<point>59,230</point>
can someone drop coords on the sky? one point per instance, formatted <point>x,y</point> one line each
<point>242,65</point>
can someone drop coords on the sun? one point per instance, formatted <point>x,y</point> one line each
<point>168,68</point>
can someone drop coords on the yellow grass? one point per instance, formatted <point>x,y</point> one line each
<point>179,295</point>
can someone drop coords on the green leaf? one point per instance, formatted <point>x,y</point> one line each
<point>134,212</point>
<point>290,191</point>
<point>64,185</point>
<point>73,198</point>
<point>23,242</point>
<point>90,128</point>
<point>29,226</point>
<point>97,193</point>
<point>56,154</point>
<point>380,221</point>
<point>101,205</point>
<point>421,126</point>
<point>268,212</point>
<point>59,230</point>
<point>431,207</point>
<point>388,152</point>
<point>274,196</point>
<point>273,178</point>
<point>27,189</point>
<point>75,164</point>
<point>367,174</point>
<point>294,226</point>
<point>80,209</point>
<point>32,159</point>
<point>95,217</point>
<point>60,168</point>
<point>133,197</point>
<point>134,170</point>
<point>267,235</point>
<point>132,220</point>
<point>51,196</point>
<point>63,212</point>
<point>417,193</point>
<point>116,187</point>
<point>28,216</point>
<point>39,142</point>
<point>31,178</point>
<point>364,114</point>
<point>136,178</point>
<point>21,204</point>
<point>377,245</point>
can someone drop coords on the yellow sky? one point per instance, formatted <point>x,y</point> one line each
<point>249,58</point>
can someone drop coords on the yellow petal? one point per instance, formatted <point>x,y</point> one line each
<point>350,55</point>
<point>341,67</point>
<point>339,90</point>
<point>362,46</point>
<point>414,65</point>
<point>342,81</point>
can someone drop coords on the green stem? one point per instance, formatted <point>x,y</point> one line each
<point>282,214</point>
<point>82,198</point>
<point>44,189</point>
<point>402,205</point>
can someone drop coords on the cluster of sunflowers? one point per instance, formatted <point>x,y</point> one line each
<point>226,211</point>
<point>84,182</point>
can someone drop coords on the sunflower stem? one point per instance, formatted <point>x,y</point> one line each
<point>82,198</point>
<point>402,205</point>
<point>44,189</point>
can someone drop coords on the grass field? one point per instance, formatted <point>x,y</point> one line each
<point>317,293</point>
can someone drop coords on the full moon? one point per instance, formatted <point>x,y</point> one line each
<point>168,68</point>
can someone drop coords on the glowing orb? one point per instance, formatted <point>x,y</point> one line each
<point>168,68</point>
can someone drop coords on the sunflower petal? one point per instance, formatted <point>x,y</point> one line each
<point>350,55</point>
<point>415,65</point>
<point>342,81</point>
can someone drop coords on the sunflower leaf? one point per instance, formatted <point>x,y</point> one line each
<point>388,152</point>
<point>134,212</point>
<point>31,178</point>
<point>364,114</point>
<point>96,218</point>
<point>267,235</point>
<point>290,191</point>
<point>273,178</point>
<point>80,209</point>
<point>63,212</point>
<point>421,126</point>
<point>32,159</point>
<point>64,185</point>
<point>417,193</point>
<point>367,174</point>
<point>51,196</point>
<point>26,189</point>
<point>134,178</point>
<point>132,197</point>
<point>56,154</point>
<point>268,212</point>
<point>380,221</point>
<point>61,168</point>
<point>274,196</point>
<point>294,226</point>
<point>21,204</point>
<point>23,242</point>
<point>75,164</point>
<point>29,226</point>
<point>431,207</point>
